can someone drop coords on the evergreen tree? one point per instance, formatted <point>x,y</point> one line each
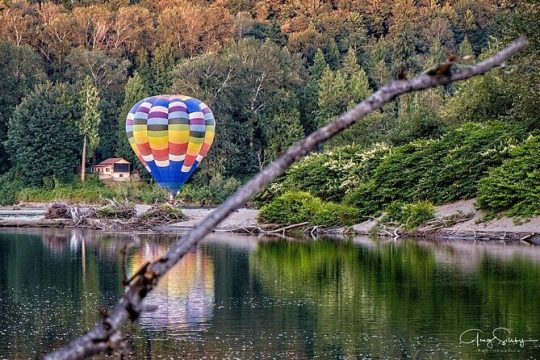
<point>465,47</point>
<point>283,130</point>
<point>144,68</point>
<point>43,138</point>
<point>350,63</point>
<point>358,87</point>
<point>163,63</point>
<point>20,70</point>
<point>134,92</point>
<point>356,78</point>
<point>435,56</point>
<point>379,57</point>
<point>88,124</point>
<point>311,92</point>
<point>332,96</point>
<point>319,65</point>
<point>332,54</point>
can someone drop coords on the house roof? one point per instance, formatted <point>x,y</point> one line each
<point>111,161</point>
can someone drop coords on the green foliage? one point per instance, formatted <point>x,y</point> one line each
<point>10,183</point>
<point>332,54</point>
<point>514,186</point>
<point>311,93</point>
<point>331,215</point>
<point>290,208</point>
<point>437,170</point>
<point>109,75</point>
<point>329,175</point>
<point>215,192</point>
<point>43,139</point>
<point>91,192</point>
<point>261,94</point>
<point>163,63</point>
<point>296,207</point>
<point>20,70</point>
<point>410,216</point>
<point>88,123</point>
<point>332,96</point>
<point>134,92</point>
<point>246,84</point>
<point>418,117</point>
<point>139,192</point>
<point>279,132</point>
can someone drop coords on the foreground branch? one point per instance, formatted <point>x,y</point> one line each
<point>107,336</point>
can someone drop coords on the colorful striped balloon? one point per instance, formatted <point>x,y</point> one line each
<point>170,134</point>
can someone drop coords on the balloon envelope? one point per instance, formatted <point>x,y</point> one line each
<point>170,134</point>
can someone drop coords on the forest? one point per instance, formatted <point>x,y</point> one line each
<point>273,71</point>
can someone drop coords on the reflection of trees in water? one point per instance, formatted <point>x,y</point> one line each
<point>184,297</point>
<point>106,245</point>
<point>57,241</point>
<point>394,297</point>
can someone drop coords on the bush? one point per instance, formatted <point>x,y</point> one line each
<point>140,192</point>
<point>91,191</point>
<point>410,216</point>
<point>514,186</point>
<point>440,171</point>
<point>215,192</point>
<point>298,207</point>
<point>290,208</point>
<point>10,185</point>
<point>328,175</point>
<point>332,215</point>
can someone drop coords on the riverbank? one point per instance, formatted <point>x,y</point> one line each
<point>468,224</point>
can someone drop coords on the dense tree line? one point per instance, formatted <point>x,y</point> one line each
<point>272,71</point>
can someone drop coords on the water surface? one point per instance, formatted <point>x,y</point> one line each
<point>240,297</point>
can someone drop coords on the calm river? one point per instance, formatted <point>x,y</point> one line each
<point>239,297</point>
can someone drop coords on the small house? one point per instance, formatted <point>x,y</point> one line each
<point>116,169</point>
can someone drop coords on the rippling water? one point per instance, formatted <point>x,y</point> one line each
<point>239,297</point>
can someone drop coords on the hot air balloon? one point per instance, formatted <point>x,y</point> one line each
<point>170,134</point>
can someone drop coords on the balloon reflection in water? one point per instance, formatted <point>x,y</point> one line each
<point>184,297</point>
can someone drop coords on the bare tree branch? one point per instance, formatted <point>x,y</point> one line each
<point>107,336</point>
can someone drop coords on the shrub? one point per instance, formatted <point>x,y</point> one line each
<point>297,207</point>
<point>10,185</point>
<point>328,175</point>
<point>91,191</point>
<point>140,192</point>
<point>515,185</point>
<point>332,215</point>
<point>440,171</point>
<point>290,208</point>
<point>410,216</point>
<point>215,192</point>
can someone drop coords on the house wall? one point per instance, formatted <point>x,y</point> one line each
<point>108,173</point>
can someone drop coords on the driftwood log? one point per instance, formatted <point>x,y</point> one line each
<point>107,335</point>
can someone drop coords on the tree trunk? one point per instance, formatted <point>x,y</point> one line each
<point>83,161</point>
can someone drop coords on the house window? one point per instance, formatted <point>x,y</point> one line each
<point>123,168</point>
<point>121,175</point>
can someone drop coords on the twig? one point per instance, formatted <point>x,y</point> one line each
<point>283,229</point>
<point>106,334</point>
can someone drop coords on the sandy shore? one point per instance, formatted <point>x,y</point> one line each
<point>503,229</point>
